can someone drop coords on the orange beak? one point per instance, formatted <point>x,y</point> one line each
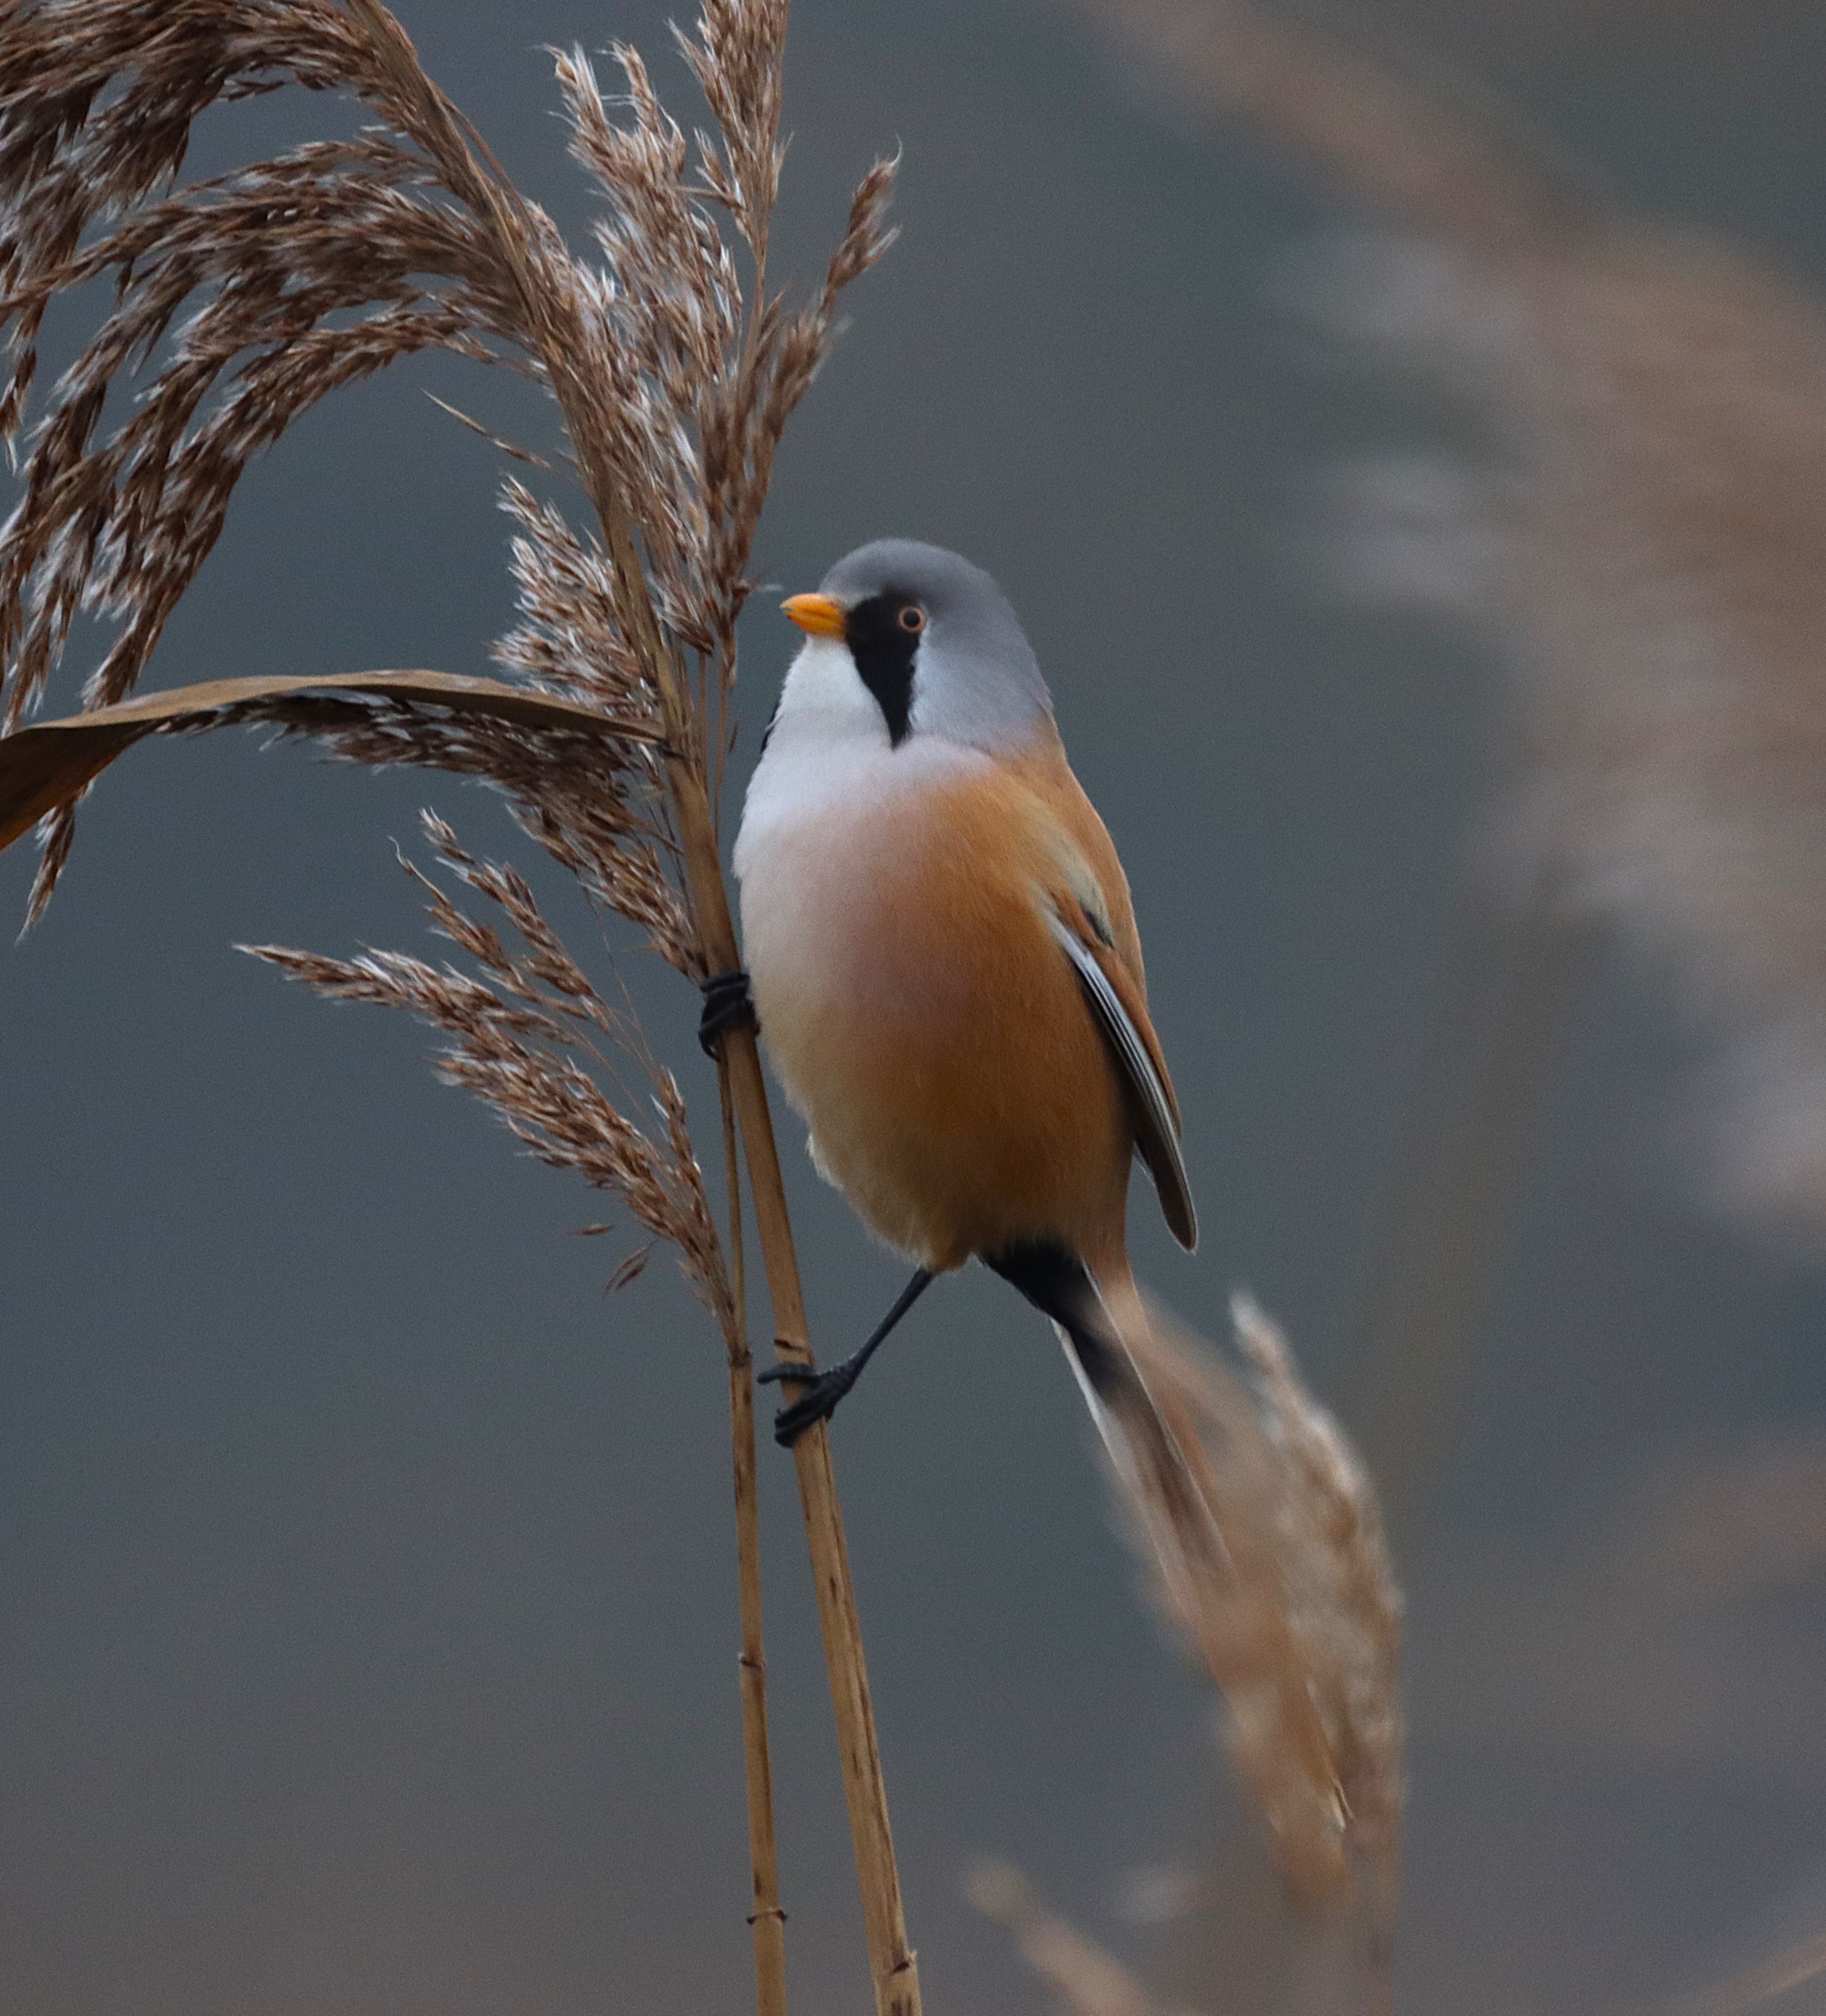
<point>814,614</point>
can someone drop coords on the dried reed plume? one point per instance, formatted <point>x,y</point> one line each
<point>534,1039</point>
<point>239,302</point>
<point>248,297</point>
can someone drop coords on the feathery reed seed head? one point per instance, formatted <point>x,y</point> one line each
<point>530,1037</point>
<point>240,300</point>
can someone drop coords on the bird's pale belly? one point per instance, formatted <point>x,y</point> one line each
<point>930,1030</point>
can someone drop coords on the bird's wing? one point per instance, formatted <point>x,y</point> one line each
<point>1122,1021</point>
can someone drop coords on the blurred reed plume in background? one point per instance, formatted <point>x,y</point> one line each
<point>1646,541</point>
<point>1086,1979</point>
<point>1648,550</point>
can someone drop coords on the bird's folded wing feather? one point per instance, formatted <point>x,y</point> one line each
<point>1122,1021</point>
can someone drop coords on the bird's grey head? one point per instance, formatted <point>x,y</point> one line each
<point>932,647</point>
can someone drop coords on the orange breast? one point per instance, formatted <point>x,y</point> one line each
<point>931,1032</point>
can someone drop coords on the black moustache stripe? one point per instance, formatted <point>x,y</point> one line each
<point>884,649</point>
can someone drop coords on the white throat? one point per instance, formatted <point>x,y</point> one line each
<point>824,698</point>
<point>828,768</point>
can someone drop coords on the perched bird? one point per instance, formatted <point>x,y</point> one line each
<point>942,958</point>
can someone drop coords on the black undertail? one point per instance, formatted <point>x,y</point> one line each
<point>1059,1285</point>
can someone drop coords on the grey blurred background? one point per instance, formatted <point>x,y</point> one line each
<point>367,1635</point>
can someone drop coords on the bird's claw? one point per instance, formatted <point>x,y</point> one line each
<point>818,1402</point>
<point>727,1004</point>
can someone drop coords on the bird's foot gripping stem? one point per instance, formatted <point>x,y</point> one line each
<point>817,1401</point>
<point>823,1390</point>
<point>727,1004</point>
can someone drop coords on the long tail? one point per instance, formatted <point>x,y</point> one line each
<point>1264,1538</point>
<point>1103,1325</point>
<point>1208,1531</point>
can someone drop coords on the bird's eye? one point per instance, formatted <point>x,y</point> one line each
<point>913,618</point>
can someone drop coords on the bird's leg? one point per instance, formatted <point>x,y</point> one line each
<point>821,1391</point>
<point>728,1005</point>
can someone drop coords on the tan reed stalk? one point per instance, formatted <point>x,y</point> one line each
<point>891,1960</point>
<point>767,1921</point>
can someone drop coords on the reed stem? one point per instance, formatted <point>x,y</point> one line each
<point>561,341</point>
<point>766,1921</point>
<point>891,1959</point>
